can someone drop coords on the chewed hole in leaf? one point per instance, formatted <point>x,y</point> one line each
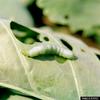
<point>5,93</point>
<point>46,38</point>
<point>24,34</point>
<point>65,43</point>
<point>98,56</point>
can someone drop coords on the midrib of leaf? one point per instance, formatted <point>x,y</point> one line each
<point>73,72</point>
<point>17,51</point>
<point>75,78</point>
<point>24,64</point>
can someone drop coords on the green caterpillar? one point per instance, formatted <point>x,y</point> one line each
<point>48,48</point>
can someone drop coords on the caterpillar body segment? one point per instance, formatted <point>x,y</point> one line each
<point>48,48</point>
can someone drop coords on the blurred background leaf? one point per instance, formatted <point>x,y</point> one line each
<point>78,14</point>
<point>15,10</point>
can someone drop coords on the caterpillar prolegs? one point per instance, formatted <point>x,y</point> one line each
<point>48,48</point>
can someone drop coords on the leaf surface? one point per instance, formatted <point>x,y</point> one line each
<point>47,79</point>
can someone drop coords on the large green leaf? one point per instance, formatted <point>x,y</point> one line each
<point>15,10</point>
<point>79,14</point>
<point>45,78</point>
